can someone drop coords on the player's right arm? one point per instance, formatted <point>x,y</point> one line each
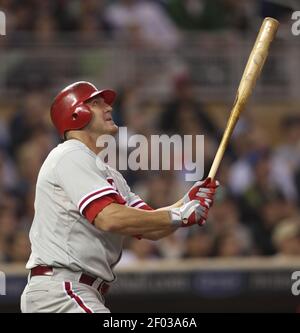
<point>131,221</point>
<point>156,224</point>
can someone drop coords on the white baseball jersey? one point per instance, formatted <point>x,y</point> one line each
<point>71,190</point>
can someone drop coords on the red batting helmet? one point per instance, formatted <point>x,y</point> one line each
<point>69,111</point>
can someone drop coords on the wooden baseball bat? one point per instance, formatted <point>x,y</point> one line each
<point>252,70</point>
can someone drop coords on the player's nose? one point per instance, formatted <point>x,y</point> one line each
<point>108,108</point>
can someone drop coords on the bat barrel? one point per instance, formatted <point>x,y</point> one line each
<point>257,57</point>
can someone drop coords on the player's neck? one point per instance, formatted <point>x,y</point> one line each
<point>86,139</point>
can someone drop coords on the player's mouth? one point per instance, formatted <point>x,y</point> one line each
<point>108,118</point>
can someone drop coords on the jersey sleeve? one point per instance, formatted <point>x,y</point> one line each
<point>85,183</point>
<point>136,202</point>
<point>133,200</point>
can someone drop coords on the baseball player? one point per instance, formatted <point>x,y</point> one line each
<point>83,212</point>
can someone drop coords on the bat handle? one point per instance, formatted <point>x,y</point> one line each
<point>212,173</point>
<point>222,147</point>
<point>216,163</point>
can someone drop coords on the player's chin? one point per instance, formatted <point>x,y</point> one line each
<point>112,129</point>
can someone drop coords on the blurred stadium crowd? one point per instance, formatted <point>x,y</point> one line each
<point>256,211</point>
<point>140,23</point>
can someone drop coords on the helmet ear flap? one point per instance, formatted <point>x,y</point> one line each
<point>81,115</point>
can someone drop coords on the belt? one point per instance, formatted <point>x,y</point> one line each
<point>84,278</point>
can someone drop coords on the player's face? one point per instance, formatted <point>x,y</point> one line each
<point>102,122</point>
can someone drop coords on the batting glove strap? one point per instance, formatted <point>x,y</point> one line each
<point>175,217</point>
<point>191,213</point>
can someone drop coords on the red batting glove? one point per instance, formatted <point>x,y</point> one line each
<point>202,191</point>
